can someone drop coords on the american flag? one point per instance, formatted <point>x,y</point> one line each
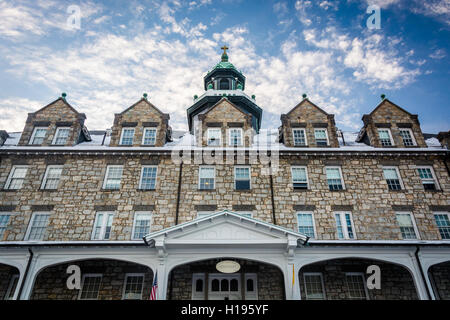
<point>153,294</point>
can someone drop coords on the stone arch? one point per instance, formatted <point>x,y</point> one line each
<point>397,280</point>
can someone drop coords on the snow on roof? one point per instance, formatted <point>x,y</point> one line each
<point>13,139</point>
<point>433,142</point>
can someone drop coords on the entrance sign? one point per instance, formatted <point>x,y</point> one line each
<point>228,266</point>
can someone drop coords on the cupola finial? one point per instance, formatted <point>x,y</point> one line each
<point>224,54</point>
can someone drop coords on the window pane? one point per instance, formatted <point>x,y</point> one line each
<point>242,173</point>
<point>299,137</point>
<point>142,225</point>
<point>224,285</point>
<point>407,138</point>
<point>149,136</point>
<point>127,136</point>
<point>215,285</point>
<point>234,286</point>
<point>340,232</point>
<point>385,138</point>
<point>250,285</point>
<point>334,179</point>
<point>17,177</point>
<point>356,290</point>
<point>299,175</point>
<point>392,179</point>
<point>91,286</point>
<point>114,176</point>
<point>52,179</point>
<point>133,287</point>
<point>313,287</point>
<point>348,221</point>
<point>207,176</point>
<point>305,224</point>
<point>235,137</point>
<point>148,181</point>
<point>39,135</point>
<point>62,134</point>
<point>38,227</point>
<point>214,137</point>
<point>406,226</point>
<point>4,219</point>
<point>443,223</point>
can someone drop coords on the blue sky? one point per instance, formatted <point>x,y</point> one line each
<point>285,48</point>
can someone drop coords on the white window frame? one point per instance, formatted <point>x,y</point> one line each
<point>249,177</point>
<point>136,213</point>
<point>91,275</point>
<point>390,137</point>
<point>125,284</point>
<point>44,181</point>
<point>326,134</point>
<point>229,137</point>
<point>398,175</point>
<point>250,295</point>
<point>199,176</point>
<point>143,135</point>
<point>195,295</point>
<point>8,215</point>
<point>142,175</point>
<point>362,275</point>
<point>56,135</point>
<point>411,133</point>
<point>436,182</point>
<point>103,226</point>
<point>11,174</point>
<point>340,173</point>
<point>121,136</point>
<point>344,225</point>
<point>107,173</point>
<point>307,178</point>
<point>209,136</point>
<point>304,133</point>
<point>313,221</point>
<point>411,216</point>
<point>435,222</point>
<point>10,292</point>
<point>321,280</point>
<point>34,134</point>
<point>31,222</point>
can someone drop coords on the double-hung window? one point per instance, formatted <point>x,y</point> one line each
<point>299,136</point>
<point>306,225</point>
<point>90,286</point>
<point>207,177</point>
<point>356,286</point>
<point>38,135</point>
<point>299,177</point>
<point>334,178</point>
<point>132,288</point>
<point>127,136</point>
<point>52,177</point>
<point>314,288</point>
<point>4,219</point>
<point>149,137</point>
<point>407,137</point>
<point>37,226</point>
<point>61,136</point>
<point>242,178</point>
<point>385,137</point>
<point>148,178</point>
<point>16,177</point>
<point>214,136</point>
<point>344,225</point>
<point>113,177</point>
<point>102,226</point>
<point>392,176</point>
<point>235,136</point>
<point>443,224</point>
<point>321,137</point>
<point>407,225</point>
<point>141,225</point>
<point>428,178</point>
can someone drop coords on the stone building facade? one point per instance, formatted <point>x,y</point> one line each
<point>302,212</point>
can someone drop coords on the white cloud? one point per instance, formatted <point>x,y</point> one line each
<point>438,54</point>
<point>439,9</point>
<point>303,16</point>
<point>383,3</point>
<point>15,111</point>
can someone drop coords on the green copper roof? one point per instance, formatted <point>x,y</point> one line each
<point>224,65</point>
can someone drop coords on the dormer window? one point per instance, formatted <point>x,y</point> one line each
<point>299,136</point>
<point>214,137</point>
<point>408,137</point>
<point>38,135</point>
<point>149,137</point>
<point>61,136</point>
<point>127,136</point>
<point>385,137</point>
<point>321,137</point>
<point>236,137</point>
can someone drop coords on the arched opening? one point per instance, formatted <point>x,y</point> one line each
<point>9,279</point>
<point>201,280</point>
<point>224,84</point>
<point>101,279</point>
<point>346,279</point>
<point>439,275</point>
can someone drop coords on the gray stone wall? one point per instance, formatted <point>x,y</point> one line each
<point>50,283</point>
<point>440,275</point>
<point>396,281</point>
<point>6,273</point>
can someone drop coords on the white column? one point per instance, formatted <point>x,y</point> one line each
<point>29,281</point>
<point>421,286</point>
<point>291,282</point>
<point>162,281</point>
